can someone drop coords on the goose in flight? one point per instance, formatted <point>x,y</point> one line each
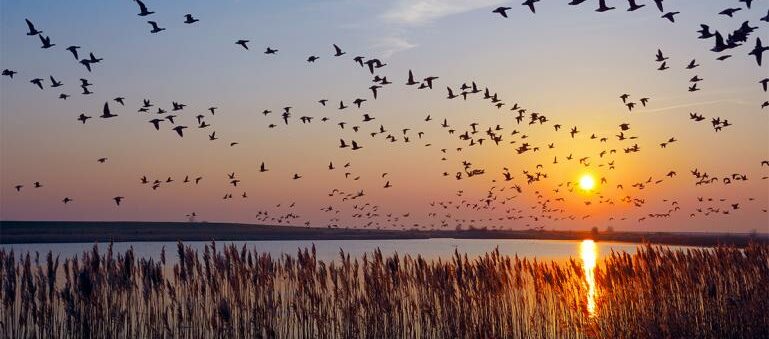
<point>73,50</point>
<point>106,112</point>
<point>46,42</point>
<point>32,30</point>
<point>531,3</point>
<point>338,51</point>
<point>669,16</point>
<point>83,118</point>
<point>188,19</point>
<point>411,81</point>
<point>155,28</point>
<point>633,5</point>
<point>758,51</point>
<point>502,11</point>
<point>179,129</point>
<point>143,9</point>
<point>38,82</point>
<point>602,6</point>
<point>242,43</point>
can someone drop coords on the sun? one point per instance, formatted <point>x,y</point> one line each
<point>586,182</point>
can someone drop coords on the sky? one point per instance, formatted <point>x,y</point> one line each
<point>568,63</point>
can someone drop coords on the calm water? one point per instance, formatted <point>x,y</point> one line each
<point>329,249</point>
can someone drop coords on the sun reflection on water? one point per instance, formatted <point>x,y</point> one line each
<point>589,253</point>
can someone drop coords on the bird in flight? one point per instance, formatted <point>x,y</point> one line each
<point>531,3</point>
<point>143,9</point>
<point>188,19</point>
<point>46,41</point>
<point>155,28</point>
<point>502,11</point>
<point>32,30</point>
<point>118,199</point>
<point>179,129</point>
<point>73,50</point>
<point>669,16</point>
<point>38,82</point>
<point>338,51</point>
<point>242,43</point>
<point>83,118</point>
<point>634,6</point>
<point>758,51</point>
<point>730,11</point>
<point>106,112</point>
<point>602,6</point>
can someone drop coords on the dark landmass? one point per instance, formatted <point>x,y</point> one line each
<point>16,232</point>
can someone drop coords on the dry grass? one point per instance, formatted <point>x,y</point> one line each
<point>717,293</point>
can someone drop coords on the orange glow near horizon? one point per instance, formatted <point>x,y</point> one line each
<point>589,253</point>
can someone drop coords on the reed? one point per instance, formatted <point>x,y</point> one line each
<point>240,293</point>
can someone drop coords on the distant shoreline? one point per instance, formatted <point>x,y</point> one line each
<point>21,232</point>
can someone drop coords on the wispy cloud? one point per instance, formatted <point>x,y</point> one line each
<point>390,45</point>
<point>692,104</point>
<point>417,12</point>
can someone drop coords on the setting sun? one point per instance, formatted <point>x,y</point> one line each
<point>586,182</point>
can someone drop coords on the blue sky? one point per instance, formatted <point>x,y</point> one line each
<point>567,62</point>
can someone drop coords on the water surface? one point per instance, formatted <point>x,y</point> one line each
<point>328,250</point>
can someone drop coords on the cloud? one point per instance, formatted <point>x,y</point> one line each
<point>390,45</point>
<point>699,103</point>
<point>417,12</point>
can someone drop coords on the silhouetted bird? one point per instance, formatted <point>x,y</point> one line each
<point>155,28</point>
<point>633,5</point>
<point>9,73</point>
<point>38,82</point>
<point>143,9</point>
<point>73,50</point>
<point>669,16</point>
<point>338,51</point>
<point>242,43</point>
<point>106,112</point>
<point>758,51</point>
<point>46,42</point>
<point>32,30</point>
<point>188,19</point>
<point>705,32</point>
<point>602,6</point>
<point>179,129</point>
<point>83,118</point>
<point>730,11</point>
<point>502,11</point>
<point>530,3</point>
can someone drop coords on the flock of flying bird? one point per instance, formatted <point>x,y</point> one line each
<point>548,206</point>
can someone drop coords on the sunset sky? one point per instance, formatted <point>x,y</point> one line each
<point>568,63</point>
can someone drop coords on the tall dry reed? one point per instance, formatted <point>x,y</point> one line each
<point>240,293</point>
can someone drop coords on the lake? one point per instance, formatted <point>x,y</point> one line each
<point>328,250</point>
